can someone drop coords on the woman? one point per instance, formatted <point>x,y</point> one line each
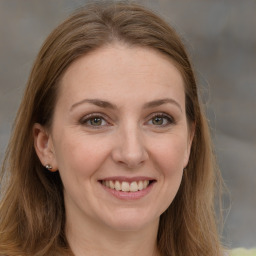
<point>111,152</point>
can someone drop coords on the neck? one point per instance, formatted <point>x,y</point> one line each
<point>92,239</point>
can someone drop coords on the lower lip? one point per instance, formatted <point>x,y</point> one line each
<point>129,195</point>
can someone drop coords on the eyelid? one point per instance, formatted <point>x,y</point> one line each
<point>170,118</point>
<point>87,117</point>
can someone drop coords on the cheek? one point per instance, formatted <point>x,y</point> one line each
<point>170,153</point>
<point>168,160</point>
<point>80,156</point>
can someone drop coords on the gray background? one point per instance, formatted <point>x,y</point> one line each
<point>221,39</point>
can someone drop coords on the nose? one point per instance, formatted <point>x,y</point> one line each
<point>130,149</point>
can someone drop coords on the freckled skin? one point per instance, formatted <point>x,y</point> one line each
<point>126,143</point>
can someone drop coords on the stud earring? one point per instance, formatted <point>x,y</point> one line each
<point>48,167</point>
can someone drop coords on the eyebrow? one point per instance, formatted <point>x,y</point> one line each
<point>160,102</point>
<point>106,104</point>
<point>97,102</point>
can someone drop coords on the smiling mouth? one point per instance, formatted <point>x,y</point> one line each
<point>126,186</point>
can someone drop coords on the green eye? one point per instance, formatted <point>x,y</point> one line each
<point>158,120</point>
<point>161,120</point>
<point>95,121</point>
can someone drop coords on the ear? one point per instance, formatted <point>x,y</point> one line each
<point>44,146</point>
<point>191,133</point>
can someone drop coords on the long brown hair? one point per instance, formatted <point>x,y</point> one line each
<point>32,213</point>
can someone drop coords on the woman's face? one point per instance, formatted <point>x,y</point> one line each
<point>120,138</point>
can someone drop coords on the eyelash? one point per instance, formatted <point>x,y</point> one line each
<point>169,120</point>
<point>90,117</point>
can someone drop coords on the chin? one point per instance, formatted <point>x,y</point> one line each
<point>127,220</point>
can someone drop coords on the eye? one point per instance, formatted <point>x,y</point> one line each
<point>95,121</point>
<point>161,120</point>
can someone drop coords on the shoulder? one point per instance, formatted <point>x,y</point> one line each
<point>243,252</point>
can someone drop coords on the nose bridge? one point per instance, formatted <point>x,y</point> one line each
<point>130,149</point>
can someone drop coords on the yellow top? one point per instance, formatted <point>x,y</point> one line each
<point>243,252</point>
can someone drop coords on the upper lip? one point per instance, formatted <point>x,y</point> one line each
<point>128,179</point>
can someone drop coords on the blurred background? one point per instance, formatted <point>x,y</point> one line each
<point>220,36</point>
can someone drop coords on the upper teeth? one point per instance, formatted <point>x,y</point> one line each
<point>126,186</point>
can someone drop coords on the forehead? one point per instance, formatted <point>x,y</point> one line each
<point>121,70</point>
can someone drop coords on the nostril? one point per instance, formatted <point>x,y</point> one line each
<point>130,152</point>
